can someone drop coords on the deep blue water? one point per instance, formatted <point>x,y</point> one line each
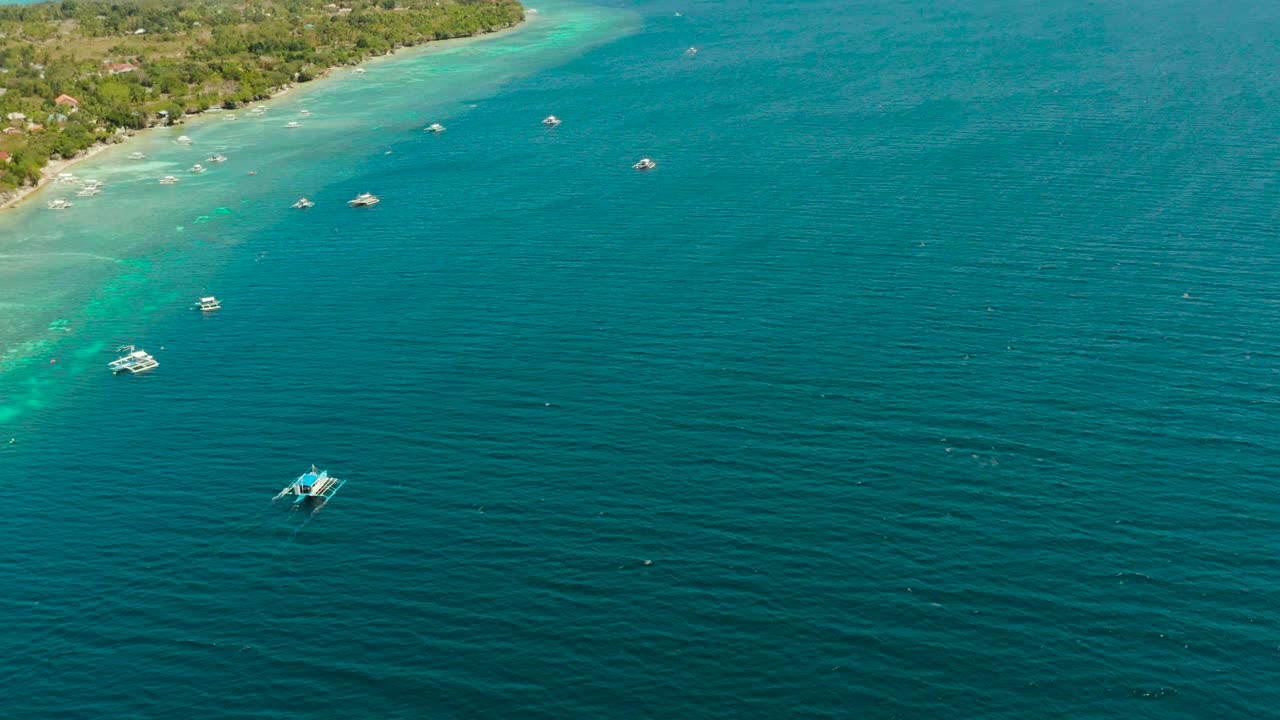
<point>931,374</point>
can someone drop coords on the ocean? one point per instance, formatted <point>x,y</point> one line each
<point>932,373</point>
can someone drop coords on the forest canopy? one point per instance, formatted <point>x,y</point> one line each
<point>78,72</point>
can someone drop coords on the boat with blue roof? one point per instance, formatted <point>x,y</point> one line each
<point>314,484</point>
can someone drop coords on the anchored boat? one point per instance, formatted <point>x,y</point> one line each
<point>209,303</point>
<point>645,164</point>
<point>316,484</point>
<point>133,361</point>
<point>364,200</point>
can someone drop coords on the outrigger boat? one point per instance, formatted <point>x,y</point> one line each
<point>645,164</point>
<point>551,121</point>
<point>435,128</point>
<point>364,200</point>
<point>209,303</point>
<point>314,483</point>
<point>303,204</point>
<point>133,361</point>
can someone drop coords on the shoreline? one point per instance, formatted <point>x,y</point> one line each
<point>51,170</point>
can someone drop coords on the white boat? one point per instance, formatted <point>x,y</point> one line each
<point>645,164</point>
<point>230,117</point>
<point>364,200</point>
<point>209,303</point>
<point>133,361</point>
<point>137,156</point>
<point>304,111</point>
<point>435,128</point>
<point>88,192</point>
<point>66,178</point>
<point>692,51</point>
<point>358,71</point>
<point>197,169</point>
<point>91,184</point>
<point>184,140</point>
<point>313,484</point>
<point>168,180</point>
<point>551,121</point>
<point>303,204</point>
<point>216,158</point>
<point>59,204</point>
<point>293,124</point>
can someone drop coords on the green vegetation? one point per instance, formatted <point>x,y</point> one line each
<point>77,72</point>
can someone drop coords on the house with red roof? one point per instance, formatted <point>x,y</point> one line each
<point>65,99</point>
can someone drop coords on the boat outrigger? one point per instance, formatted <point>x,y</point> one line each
<point>133,361</point>
<point>209,303</point>
<point>314,483</point>
<point>645,164</point>
<point>364,200</point>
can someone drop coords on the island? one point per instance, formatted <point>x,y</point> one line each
<point>79,73</point>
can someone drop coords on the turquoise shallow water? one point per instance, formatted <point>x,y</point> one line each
<point>932,371</point>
